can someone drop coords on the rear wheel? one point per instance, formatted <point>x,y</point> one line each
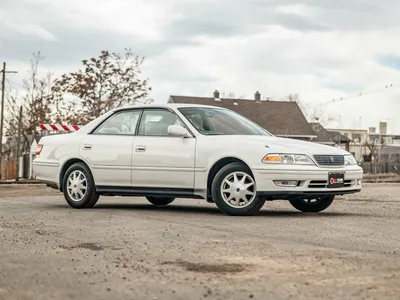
<point>313,205</point>
<point>160,200</point>
<point>234,191</point>
<point>79,188</point>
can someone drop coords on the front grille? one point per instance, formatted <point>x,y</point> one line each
<point>321,184</point>
<point>329,160</point>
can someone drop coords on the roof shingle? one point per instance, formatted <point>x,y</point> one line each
<point>281,118</point>
<point>326,136</point>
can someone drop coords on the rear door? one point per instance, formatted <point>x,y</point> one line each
<point>108,150</point>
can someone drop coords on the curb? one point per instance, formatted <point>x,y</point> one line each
<point>20,182</point>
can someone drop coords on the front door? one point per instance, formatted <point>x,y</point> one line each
<point>159,160</point>
<point>108,150</point>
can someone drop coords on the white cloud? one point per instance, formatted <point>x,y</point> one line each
<point>297,9</point>
<point>319,49</point>
<point>12,26</point>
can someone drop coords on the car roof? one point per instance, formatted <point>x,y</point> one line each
<point>164,105</point>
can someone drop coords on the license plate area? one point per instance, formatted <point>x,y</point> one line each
<point>335,180</point>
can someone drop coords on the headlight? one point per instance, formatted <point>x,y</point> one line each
<point>349,160</point>
<point>289,159</point>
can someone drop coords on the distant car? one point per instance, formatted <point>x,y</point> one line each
<point>170,151</point>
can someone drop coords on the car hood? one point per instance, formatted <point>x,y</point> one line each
<point>283,145</point>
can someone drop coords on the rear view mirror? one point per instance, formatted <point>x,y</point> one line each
<point>177,130</point>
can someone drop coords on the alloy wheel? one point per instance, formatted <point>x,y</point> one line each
<point>77,186</point>
<point>238,190</point>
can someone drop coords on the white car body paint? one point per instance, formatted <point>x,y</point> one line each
<point>183,162</point>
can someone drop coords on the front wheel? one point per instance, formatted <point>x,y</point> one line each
<point>160,200</point>
<point>313,205</point>
<point>234,191</point>
<point>79,188</point>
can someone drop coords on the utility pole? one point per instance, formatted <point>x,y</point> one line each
<point>19,141</point>
<point>3,89</point>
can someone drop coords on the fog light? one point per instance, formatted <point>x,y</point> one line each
<point>359,182</point>
<point>287,183</point>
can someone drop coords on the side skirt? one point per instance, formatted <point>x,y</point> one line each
<point>146,191</point>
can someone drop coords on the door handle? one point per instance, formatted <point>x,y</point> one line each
<point>87,146</point>
<point>140,148</point>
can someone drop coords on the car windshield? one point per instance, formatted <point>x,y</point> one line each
<point>219,121</point>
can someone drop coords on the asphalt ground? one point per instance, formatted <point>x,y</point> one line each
<point>126,248</point>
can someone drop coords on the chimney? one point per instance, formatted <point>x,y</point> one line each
<point>216,96</point>
<point>257,96</point>
<point>382,128</point>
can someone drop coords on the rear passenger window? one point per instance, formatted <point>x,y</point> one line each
<point>121,123</point>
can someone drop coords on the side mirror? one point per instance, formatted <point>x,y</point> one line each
<point>177,130</point>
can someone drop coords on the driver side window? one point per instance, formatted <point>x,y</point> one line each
<point>155,122</point>
<point>121,123</point>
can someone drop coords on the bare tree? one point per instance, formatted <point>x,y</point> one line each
<point>320,115</point>
<point>302,106</point>
<point>105,82</point>
<point>36,99</point>
<point>374,143</point>
<point>11,113</point>
<point>12,106</point>
<point>316,114</point>
<point>231,95</point>
<point>293,98</point>
<point>372,146</point>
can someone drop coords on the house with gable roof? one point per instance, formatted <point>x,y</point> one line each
<point>281,118</point>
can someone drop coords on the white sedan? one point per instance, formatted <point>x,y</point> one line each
<point>170,151</point>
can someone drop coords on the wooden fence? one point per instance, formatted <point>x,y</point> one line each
<point>9,170</point>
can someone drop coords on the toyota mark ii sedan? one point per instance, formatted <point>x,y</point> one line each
<point>169,151</point>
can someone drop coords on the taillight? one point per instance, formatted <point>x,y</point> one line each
<point>39,149</point>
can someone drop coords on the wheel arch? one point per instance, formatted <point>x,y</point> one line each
<point>65,167</point>
<point>220,163</point>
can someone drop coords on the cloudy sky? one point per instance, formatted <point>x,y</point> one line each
<point>320,49</point>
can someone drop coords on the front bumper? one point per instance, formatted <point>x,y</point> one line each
<point>312,181</point>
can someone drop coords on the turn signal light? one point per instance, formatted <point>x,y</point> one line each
<point>272,158</point>
<point>39,149</point>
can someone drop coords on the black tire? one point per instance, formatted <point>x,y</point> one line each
<point>160,200</point>
<point>90,197</point>
<point>320,204</point>
<point>255,205</point>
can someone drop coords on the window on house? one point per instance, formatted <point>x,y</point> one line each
<point>356,138</point>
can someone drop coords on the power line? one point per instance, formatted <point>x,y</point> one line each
<point>18,85</point>
<point>358,95</point>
